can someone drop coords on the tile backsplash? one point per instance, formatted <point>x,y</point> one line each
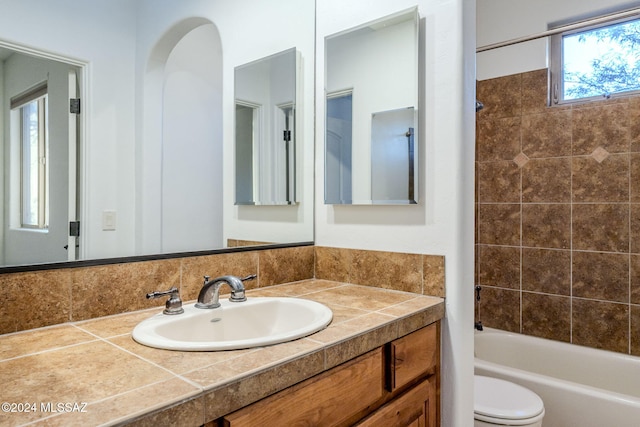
<point>42,298</point>
<point>558,214</point>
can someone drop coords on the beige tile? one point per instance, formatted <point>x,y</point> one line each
<point>119,324</point>
<point>333,263</point>
<point>119,288</point>
<point>35,299</point>
<point>433,275</point>
<point>343,351</point>
<point>157,399</point>
<point>410,307</point>
<point>246,364</point>
<point>286,265</point>
<point>297,289</point>
<point>35,341</point>
<point>361,297</point>
<point>177,362</point>
<point>247,390</point>
<point>340,331</point>
<point>388,270</point>
<point>70,374</point>
<point>185,414</point>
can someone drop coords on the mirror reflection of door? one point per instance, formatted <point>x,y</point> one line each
<point>285,128</point>
<point>393,156</point>
<point>247,137</point>
<point>338,188</point>
<point>269,83</point>
<point>40,149</point>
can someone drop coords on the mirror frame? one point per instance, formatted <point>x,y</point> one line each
<point>140,258</point>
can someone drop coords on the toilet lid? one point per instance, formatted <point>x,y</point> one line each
<point>497,398</point>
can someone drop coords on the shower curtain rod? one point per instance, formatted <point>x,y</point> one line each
<point>563,28</point>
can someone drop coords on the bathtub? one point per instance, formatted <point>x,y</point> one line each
<point>580,386</point>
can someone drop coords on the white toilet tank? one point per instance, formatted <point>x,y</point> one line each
<point>503,403</point>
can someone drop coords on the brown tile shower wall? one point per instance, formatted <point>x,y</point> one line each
<point>421,274</point>
<point>558,214</point>
<point>43,298</point>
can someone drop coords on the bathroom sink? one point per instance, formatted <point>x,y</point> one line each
<point>255,322</point>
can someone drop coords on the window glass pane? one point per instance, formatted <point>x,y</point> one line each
<point>34,181</point>
<point>30,159</point>
<point>602,61</point>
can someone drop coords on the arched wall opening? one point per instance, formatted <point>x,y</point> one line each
<point>180,157</point>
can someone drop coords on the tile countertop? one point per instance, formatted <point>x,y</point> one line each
<point>93,373</point>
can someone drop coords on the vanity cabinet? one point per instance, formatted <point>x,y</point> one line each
<point>393,385</point>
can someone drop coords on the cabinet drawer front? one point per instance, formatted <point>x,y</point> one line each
<point>414,408</point>
<point>412,356</point>
<point>326,400</point>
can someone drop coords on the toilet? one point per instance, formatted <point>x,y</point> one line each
<point>503,403</point>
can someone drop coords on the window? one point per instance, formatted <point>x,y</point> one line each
<point>595,62</point>
<point>34,172</point>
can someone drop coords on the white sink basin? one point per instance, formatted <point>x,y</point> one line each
<point>255,322</point>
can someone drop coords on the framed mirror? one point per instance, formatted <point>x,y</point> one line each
<point>265,130</point>
<point>155,164</point>
<point>371,94</point>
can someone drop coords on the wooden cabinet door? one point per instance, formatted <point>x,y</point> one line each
<point>415,408</point>
<point>330,399</point>
<point>413,355</point>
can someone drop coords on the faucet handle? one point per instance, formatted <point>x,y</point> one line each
<point>174,303</point>
<point>249,277</point>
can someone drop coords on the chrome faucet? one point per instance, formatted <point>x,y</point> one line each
<point>173,304</point>
<point>210,293</point>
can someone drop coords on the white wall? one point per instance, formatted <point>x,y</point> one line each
<point>442,222</point>
<point>502,20</point>
<point>191,169</point>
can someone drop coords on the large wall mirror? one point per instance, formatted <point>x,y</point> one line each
<point>265,130</point>
<point>371,89</point>
<point>155,173</point>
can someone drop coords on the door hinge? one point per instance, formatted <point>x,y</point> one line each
<point>74,105</point>
<point>74,228</point>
